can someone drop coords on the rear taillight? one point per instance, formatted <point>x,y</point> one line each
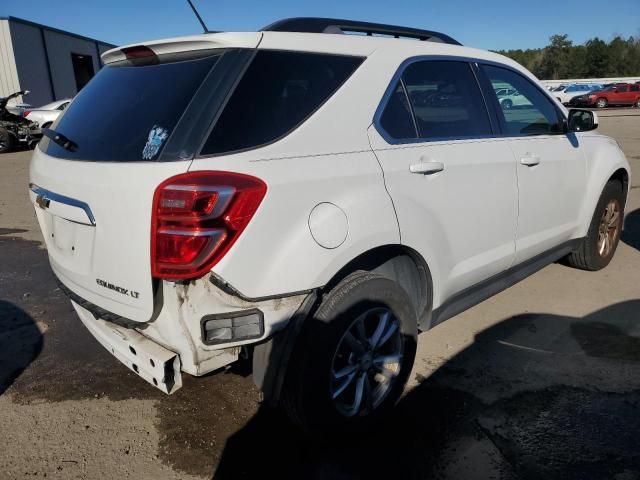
<point>197,217</point>
<point>25,113</point>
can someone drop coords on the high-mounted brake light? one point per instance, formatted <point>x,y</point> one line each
<point>197,217</point>
<point>139,51</point>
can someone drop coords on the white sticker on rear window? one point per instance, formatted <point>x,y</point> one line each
<point>157,136</point>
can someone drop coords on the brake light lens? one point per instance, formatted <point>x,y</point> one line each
<point>197,217</point>
<point>25,113</point>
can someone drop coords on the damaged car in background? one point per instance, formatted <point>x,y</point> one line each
<point>15,130</point>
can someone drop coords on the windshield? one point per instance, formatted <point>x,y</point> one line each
<point>127,113</point>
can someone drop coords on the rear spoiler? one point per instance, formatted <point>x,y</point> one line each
<point>186,44</point>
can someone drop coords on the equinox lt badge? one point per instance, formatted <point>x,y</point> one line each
<point>118,289</point>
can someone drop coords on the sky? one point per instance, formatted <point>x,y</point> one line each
<point>487,24</point>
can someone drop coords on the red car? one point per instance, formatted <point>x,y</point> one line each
<point>620,94</point>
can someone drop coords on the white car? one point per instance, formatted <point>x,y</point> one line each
<point>510,97</point>
<point>287,196</point>
<point>565,94</point>
<point>47,114</point>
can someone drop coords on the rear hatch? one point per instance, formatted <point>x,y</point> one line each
<point>92,180</point>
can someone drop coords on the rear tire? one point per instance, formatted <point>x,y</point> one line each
<point>6,141</point>
<point>599,246</point>
<point>602,103</point>
<point>349,366</point>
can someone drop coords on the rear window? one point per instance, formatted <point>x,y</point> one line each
<point>277,93</point>
<point>127,113</point>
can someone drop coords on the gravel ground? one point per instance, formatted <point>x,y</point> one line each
<point>541,381</point>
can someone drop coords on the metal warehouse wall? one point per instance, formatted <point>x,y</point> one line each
<point>43,59</point>
<point>8,74</point>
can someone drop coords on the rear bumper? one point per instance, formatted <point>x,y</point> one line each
<point>154,363</point>
<point>174,340</point>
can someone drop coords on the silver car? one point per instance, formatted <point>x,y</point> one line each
<point>47,114</point>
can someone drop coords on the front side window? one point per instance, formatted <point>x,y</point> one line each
<point>279,90</point>
<point>531,112</point>
<point>445,99</point>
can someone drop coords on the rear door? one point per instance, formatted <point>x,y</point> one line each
<point>137,123</point>
<point>452,183</point>
<point>551,167</point>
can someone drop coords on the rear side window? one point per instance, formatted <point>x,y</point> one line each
<point>396,118</point>
<point>277,93</point>
<point>127,113</point>
<point>445,99</point>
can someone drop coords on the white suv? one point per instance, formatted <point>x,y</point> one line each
<point>312,199</point>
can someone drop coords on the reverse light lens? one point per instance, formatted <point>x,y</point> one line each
<point>197,217</point>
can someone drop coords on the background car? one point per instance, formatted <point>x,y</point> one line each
<point>619,94</point>
<point>509,98</point>
<point>47,114</point>
<point>564,95</point>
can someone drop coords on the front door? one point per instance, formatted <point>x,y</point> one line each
<point>551,167</point>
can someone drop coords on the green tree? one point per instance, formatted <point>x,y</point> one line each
<point>596,58</point>
<point>555,61</point>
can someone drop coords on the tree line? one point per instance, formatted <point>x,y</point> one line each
<point>595,59</point>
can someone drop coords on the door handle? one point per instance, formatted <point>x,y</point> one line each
<point>427,168</point>
<point>530,160</point>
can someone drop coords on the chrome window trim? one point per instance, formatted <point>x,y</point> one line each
<point>474,64</point>
<point>45,194</point>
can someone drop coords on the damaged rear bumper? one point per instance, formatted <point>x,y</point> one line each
<point>154,363</point>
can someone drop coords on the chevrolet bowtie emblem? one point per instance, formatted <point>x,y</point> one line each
<point>42,201</point>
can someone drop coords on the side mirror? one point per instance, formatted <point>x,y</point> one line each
<point>582,120</point>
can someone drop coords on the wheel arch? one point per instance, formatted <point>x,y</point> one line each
<point>606,163</point>
<point>401,264</point>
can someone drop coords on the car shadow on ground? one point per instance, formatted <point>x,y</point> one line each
<point>20,342</point>
<point>631,233</point>
<point>535,396</point>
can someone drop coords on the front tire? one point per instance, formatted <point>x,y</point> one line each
<point>507,104</point>
<point>602,103</point>
<point>6,141</point>
<point>353,358</point>
<point>601,242</point>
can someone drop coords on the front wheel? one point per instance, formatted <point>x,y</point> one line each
<point>598,247</point>
<point>637,103</point>
<point>507,104</point>
<point>601,103</point>
<point>353,357</point>
<point>6,141</point>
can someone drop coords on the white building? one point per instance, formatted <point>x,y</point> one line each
<point>51,63</point>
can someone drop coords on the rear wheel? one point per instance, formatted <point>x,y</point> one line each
<point>599,246</point>
<point>353,357</point>
<point>6,140</point>
<point>601,103</point>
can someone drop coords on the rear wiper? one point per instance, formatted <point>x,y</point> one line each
<point>60,139</point>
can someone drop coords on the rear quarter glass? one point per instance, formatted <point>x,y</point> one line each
<point>128,112</point>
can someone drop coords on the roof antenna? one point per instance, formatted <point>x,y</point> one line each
<point>204,27</point>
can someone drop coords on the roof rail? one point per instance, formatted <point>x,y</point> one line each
<point>334,25</point>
